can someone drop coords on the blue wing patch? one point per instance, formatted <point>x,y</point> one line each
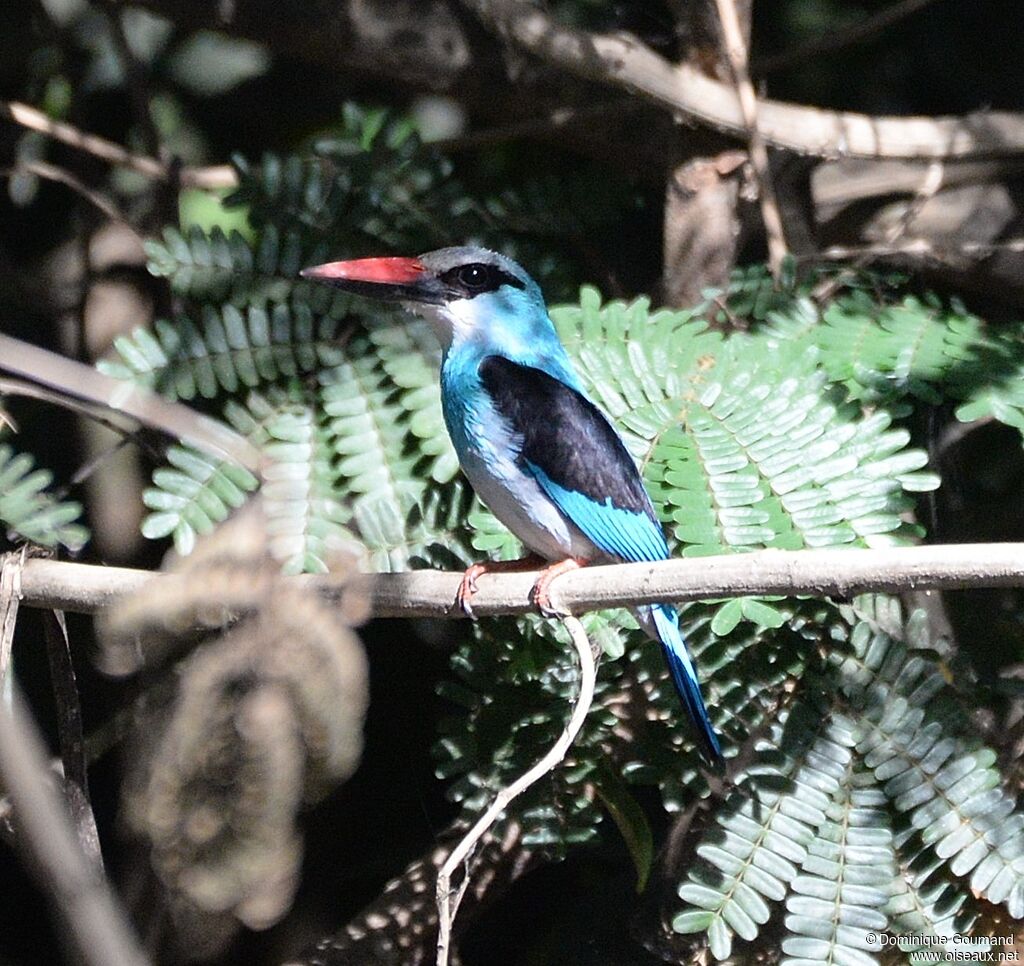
<point>628,534</point>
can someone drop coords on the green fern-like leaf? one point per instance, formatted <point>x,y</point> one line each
<point>926,901</point>
<point>762,835</point>
<point>192,495</point>
<point>231,350</point>
<point>945,781</point>
<point>744,447</point>
<point>916,349</point>
<point>368,428</point>
<point>305,520</point>
<point>838,904</point>
<point>29,512</point>
<point>216,268</point>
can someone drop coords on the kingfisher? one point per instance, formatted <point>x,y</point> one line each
<point>537,451</point>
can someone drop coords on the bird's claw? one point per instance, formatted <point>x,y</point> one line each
<point>541,599</point>
<point>467,588</point>
<point>541,593</point>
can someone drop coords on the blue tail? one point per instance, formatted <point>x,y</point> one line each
<point>666,624</point>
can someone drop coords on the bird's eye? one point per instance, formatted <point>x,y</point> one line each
<point>474,277</point>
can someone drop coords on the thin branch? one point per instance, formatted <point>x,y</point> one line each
<point>85,588</point>
<point>219,176</point>
<point>71,736</point>
<point>620,60</point>
<point>736,52</point>
<point>65,689</point>
<point>11,566</point>
<point>98,928</point>
<point>401,923</point>
<point>50,172</point>
<point>558,121</point>
<point>447,901</point>
<point>80,381</point>
<point>914,248</point>
<point>894,234</point>
<point>864,28</point>
<point>99,414</point>
<point>846,182</point>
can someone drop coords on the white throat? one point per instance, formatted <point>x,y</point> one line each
<point>453,322</point>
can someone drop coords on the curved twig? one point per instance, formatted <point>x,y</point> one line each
<point>97,927</point>
<point>219,176</point>
<point>447,900</point>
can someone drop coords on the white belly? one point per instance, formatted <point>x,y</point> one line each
<point>517,501</point>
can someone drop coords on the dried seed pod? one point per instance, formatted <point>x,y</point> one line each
<point>268,714</point>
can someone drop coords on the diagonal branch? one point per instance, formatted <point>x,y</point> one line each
<point>71,736</point>
<point>221,176</point>
<point>621,60</point>
<point>401,923</point>
<point>97,927</point>
<point>79,381</point>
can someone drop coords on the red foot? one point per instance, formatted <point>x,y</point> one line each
<point>468,586</point>
<point>542,589</point>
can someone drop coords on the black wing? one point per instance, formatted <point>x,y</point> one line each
<point>577,458</point>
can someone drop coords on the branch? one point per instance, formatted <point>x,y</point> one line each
<point>447,900</point>
<point>83,382</point>
<point>50,172</point>
<point>623,61</point>
<point>97,926</point>
<point>736,52</point>
<point>401,923</point>
<point>221,176</point>
<point>71,737</point>
<point>85,588</point>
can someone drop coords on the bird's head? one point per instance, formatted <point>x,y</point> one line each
<point>471,296</point>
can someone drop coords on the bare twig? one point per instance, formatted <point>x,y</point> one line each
<point>845,182</point>
<point>562,120</point>
<point>84,588</point>
<point>914,248</point>
<point>99,414</point>
<point>623,61</point>
<point>864,28</point>
<point>219,176</point>
<point>65,689</point>
<point>97,927</point>
<point>71,736</point>
<point>447,901</point>
<point>736,52</point>
<point>50,172</point>
<point>80,381</point>
<point>401,923</point>
<point>11,565</point>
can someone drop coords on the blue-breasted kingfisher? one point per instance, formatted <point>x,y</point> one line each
<point>537,451</point>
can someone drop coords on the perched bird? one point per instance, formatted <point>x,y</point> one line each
<point>536,450</point>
